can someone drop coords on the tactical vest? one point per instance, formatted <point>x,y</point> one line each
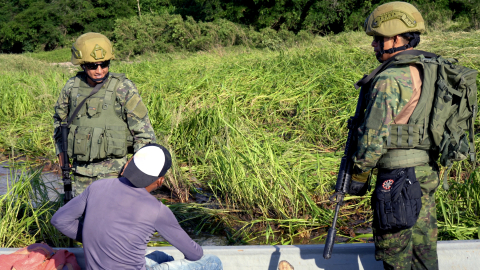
<point>407,145</point>
<point>445,109</point>
<point>97,131</point>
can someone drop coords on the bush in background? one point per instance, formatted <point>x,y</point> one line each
<point>168,33</point>
<point>37,25</point>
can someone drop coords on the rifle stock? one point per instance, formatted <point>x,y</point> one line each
<point>345,171</point>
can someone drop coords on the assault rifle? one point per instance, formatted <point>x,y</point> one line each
<point>346,167</point>
<point>67,180</point>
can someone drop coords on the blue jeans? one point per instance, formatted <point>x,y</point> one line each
<point>158,260</point>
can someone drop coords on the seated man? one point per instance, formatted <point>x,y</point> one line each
<point>121,215</point>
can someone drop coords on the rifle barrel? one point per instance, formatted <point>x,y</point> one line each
<point>327,251</point>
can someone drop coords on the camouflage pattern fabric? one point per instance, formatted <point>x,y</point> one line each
<point>390,92</point>
<point>142,129</point>
<point>81,182</point>
<point>414,248</point>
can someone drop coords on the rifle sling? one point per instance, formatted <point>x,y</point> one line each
<point>94,91</point>
<point>384,65</point>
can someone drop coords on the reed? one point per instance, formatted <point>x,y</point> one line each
<point>26,210</point>
<point>262,130</point>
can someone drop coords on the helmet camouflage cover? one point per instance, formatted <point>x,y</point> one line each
<point>90,48</point>
<point>393,19</point>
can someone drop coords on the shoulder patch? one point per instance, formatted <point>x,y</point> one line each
<point>140,110</point>
<point>136,106</point>
<point>374,121</point>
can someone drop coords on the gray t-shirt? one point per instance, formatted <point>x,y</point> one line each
<point>119,222</point>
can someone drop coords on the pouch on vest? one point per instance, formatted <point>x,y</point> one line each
<point>71,136</point>
<point>82,143</point>
<point>116,137</point>
<point>94,106</point>
<point>397,199</point>
<point>97,150</point>
<point>403,136</point>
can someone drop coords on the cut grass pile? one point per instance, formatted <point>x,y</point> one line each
<point>263,130</point>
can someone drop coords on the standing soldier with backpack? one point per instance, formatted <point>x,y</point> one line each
<point>104,112</point>
<point>414,113</point>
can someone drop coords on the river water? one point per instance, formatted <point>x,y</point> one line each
<point>54,181</point>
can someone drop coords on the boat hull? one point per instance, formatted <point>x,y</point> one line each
<point>451,255</point>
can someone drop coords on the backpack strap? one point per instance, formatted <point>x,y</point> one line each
<point>387,63</point>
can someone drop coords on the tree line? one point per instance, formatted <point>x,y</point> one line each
<point>35,25</point>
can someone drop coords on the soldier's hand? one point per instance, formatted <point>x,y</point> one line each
<point>358,185</point>
<point>362,177</point>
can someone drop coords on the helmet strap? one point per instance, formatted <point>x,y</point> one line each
<point>379,56</point>
<point>395,49</point>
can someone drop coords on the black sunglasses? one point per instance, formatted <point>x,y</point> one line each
<point>92,66</point>
<point>377,38</point>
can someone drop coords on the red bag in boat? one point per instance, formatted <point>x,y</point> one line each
<point>39,257</point>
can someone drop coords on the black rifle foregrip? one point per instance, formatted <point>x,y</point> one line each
<point>344,175</point>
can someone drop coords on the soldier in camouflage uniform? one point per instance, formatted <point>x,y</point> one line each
<point>111,123</point>
<point>392,98</point>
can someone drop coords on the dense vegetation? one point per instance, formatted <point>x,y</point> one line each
<point>35,25</point>
<point>260,130</point>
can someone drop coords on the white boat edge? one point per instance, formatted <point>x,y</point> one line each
<point>460,254</point>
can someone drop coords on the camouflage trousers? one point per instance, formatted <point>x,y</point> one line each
<point>81,182</point>
<point>416,247</point>
<point>85,173</point>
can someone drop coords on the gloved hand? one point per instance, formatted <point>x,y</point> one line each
<point>359,185</point>
<point>362,178</point>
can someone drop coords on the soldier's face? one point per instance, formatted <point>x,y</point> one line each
<point>95,70</point>
<point>388,43</point>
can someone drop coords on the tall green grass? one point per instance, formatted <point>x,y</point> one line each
<point>28,90</point>
<point>263,130</point>
<point>55,56</point>
<point>25,212</point>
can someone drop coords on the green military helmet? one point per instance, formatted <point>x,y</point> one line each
<point>91,47</point>
<point>393,19</point>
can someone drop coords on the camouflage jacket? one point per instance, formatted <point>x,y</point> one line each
<point>141,128</point>
<point>390,91</point>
